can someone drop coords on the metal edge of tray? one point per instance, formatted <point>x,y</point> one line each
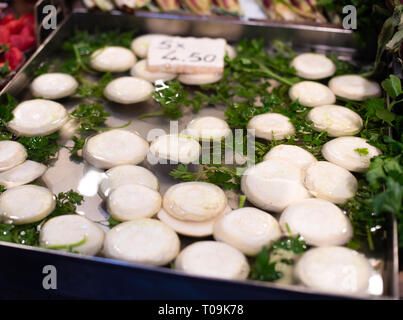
<point>102,278</point>
<point>266,22</point>
<point>326,40</point>
<point>316,34</point>
<point>392,259</point>
<point>40,256</point>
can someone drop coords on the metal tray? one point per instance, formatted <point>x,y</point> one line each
<point>98,277</point>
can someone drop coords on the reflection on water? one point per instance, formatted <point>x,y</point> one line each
<point>88,185</point>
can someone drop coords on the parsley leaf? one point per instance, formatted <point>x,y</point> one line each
<point>41,149</point>
<point>78,145</point>
<point>7,105</point>
<point>263,269</point>
<point>238,114</point>
<point>89,89</point>
<point>295,244</point>
<point>220,175</point>
<point>392,86</point>
<point>171,97</point>
<point>342,67</point>
<point>113,222</point>
<point>66,203</point>
<point>90,117</point>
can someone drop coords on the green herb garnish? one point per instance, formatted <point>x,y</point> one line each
<point>78,145</point>
<point>362,151</point>
<point>264,269</point>
<point>67,247</point>
<point>90,89</point>
<point>172,97</point>
<point>113,222</point>
<point>91,117</point>
<point>7,105</point>
<point>220,175</point>
<point>41,149</point>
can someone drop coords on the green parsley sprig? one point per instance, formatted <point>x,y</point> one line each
<point>220,175</point>
<point>41,149</point>
<point>264,269</point>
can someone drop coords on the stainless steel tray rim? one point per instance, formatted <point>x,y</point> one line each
<point>172,272</point>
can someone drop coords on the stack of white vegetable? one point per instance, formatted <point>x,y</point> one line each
<point>290,181</point>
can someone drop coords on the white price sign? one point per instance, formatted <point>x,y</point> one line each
<point>186,55</point>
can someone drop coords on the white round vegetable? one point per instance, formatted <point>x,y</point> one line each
<point>292,154</point>
<point>126,4</point>
<point>328,181</point>
<point>38,117</point>
<point>140,70</point>
<point>313,66</point>
<point>319,222</point>
<point>335,120</point>
<point>24,173</point>
<point>112,59</point>
<point>145,241</point>
<point>247,229</point>
<point>127,174</point>
<point>312,94</point>
<point>12,153</point>
<point>141,44</point>
<point>54,85</point>
<point>133,201</point>
<point>207,128</point>
<point>72,229</point>
<point>351,153</point>
<point>128,90</point>
<point>90,4</point>
<point>354,87</point>
<point>176,148</point>
<point>198,79</point>
<point>115,147</point>
<point>191,228</point>
<point>334,269</point>
<point>213,259</point>
<point>273,185</point>
<point>194,201</point>
<point>26,204</point>
<point>271,126</point>
<point>104,5</point>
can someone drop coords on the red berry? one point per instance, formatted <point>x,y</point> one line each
<point>6,19</point>
<point>14,57</point>
<point>21,42</point>
<point>14,26</point>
